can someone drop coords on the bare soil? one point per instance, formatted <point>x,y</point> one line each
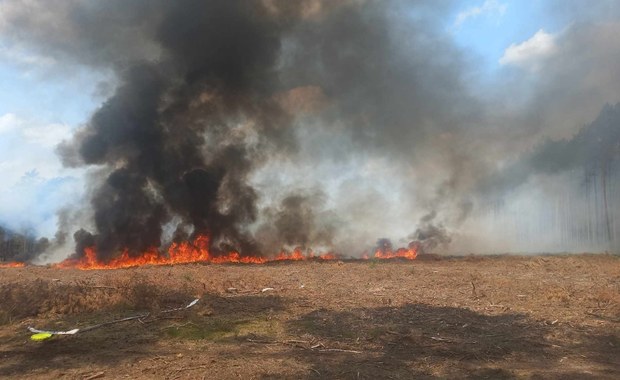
<point>476,317</point>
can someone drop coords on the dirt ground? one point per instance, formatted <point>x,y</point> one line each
<point>474,317</point>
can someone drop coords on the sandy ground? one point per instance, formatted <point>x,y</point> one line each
<point>493,317</point>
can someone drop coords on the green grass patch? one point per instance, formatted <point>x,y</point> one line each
<point>220,329</point>
<point>319,327</point>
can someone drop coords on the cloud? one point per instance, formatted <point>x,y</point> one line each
<point>34,183</point>
<point>47,135</point>
<point>529,54</point>
<point>488,8</point>
<point>31,204</point>
<point>8,122</point>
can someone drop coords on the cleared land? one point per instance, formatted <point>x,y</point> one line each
<point>491,317</point>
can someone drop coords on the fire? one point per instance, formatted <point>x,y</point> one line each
<point>13,264</point>
<point>197,251</point>
<point>183,253</point>
<point>385,251</point>
<point>406,253</point>
<point>298,255</point>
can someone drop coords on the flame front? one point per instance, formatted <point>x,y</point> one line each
<point>406,253</point>
<point>183,253</point>
<point>12,264</point>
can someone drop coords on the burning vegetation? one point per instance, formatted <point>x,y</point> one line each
<point>12,264</point>
<point>181,253</point>
<point>197,251</point>
<point>176,147</point>
<point>233,129</point>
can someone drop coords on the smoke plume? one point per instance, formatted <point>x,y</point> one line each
<point>271,123</point>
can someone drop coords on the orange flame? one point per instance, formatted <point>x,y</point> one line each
<point>183,253</point>
<point>12,264</point>
<point>406,253</point>
<point>198,252</point>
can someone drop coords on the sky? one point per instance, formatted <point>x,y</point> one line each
<point>37,111</point>
<point>488,28</point>
<point>43,101</point>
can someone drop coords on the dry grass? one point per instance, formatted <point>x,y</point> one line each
<point>475,317</point>
<point>54,298</point>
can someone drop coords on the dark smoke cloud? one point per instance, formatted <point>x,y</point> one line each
<point>395,89</point>
<point>191,75</point>
<point>224,116</point>
<point>300,220</point>
<point>430,236</point>
<point>388,80</point>
<point>202,96</point>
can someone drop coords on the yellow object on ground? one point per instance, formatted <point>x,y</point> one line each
<point>41,336</point>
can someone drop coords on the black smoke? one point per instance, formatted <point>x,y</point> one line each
<point>166,137</point>
<point>224,114</point>
<point>202,100</point>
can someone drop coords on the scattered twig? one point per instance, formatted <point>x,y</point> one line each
<point>93,327</point>
<point>441,339</point>
<point>292,342</point>
<point>113,322</point>
<point>234,292</point>
<point>239,292</point>
<point>163,359</point>
<point>99,287</point>
<point>169,317</point>
<point>608,319</point>
<point>298,343</point>
<point>192,368</point>
<point>262,341</point>
<point>601,308</point>
<point>178,326</point>
<point>95,376</point>
<point>315,371</point>
<point>396,333</point>
<point>340,350</point>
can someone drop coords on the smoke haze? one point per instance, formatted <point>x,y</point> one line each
<point>331,124</point>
